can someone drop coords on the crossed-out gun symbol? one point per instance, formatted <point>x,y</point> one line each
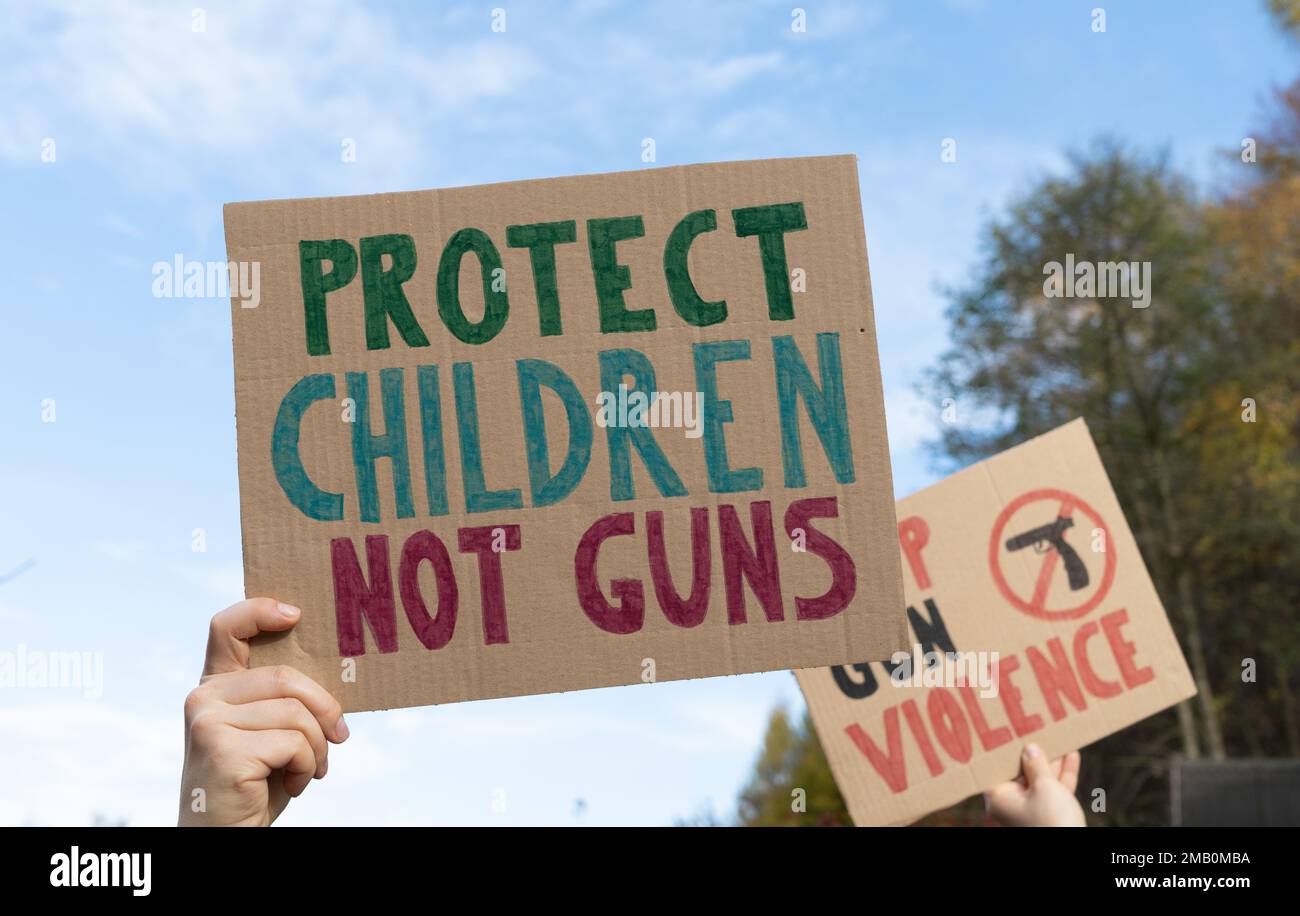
<point>1053,534</point>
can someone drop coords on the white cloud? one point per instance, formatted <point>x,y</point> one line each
<point>120,224</point>
<point>754,120</point>
<point>139,82</point>
<point>13,613</point>
<point>123,550</point>
<point>67,761</point>
<point>224,581</point>
<point>730,73</point>
<point>834,20</point>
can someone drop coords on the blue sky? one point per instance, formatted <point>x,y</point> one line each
<point>156,125</point>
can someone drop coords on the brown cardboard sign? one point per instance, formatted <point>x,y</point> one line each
<point>551,435</point>
<point>1033,618</point>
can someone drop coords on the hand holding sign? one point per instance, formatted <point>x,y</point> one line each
<point>1043,794</point>
<point>254,738</point>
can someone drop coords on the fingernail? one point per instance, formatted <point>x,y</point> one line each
<point>288,611</point>
<point>1032,751</point>
<point>341,729</point>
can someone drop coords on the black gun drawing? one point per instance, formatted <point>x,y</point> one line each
<point>1054,534</point>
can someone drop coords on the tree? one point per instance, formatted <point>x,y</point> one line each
<point>792,784</point>
<point>1192,402</point>
<point>792,759</point>
<point>1251,470</point>
<point>1030,361</point>
<point>1287,14</point>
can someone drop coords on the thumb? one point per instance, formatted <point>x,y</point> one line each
<point>1034,763</point>
<point>231,630</point>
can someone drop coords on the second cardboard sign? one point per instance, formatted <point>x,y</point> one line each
<point>1033,619</point>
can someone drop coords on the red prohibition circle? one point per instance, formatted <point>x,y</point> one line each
<point>1071,502</point>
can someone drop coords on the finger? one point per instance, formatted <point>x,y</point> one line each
<point>1070,771</point>
<point>231,629</point>
<point>1005,791</point>
<point>284,713</point>
<point>286,750</point>
<point>1004,801</point>
<point>277,798</point>
<point>275,681</point>
<point>1034,764</point>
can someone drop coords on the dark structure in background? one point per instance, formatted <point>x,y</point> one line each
<point>1234,793</point>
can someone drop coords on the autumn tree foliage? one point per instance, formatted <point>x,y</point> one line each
<point>1193,402</point>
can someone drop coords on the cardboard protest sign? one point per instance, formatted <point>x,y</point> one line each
<point>550,435</point>
<point>1025,582</point>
